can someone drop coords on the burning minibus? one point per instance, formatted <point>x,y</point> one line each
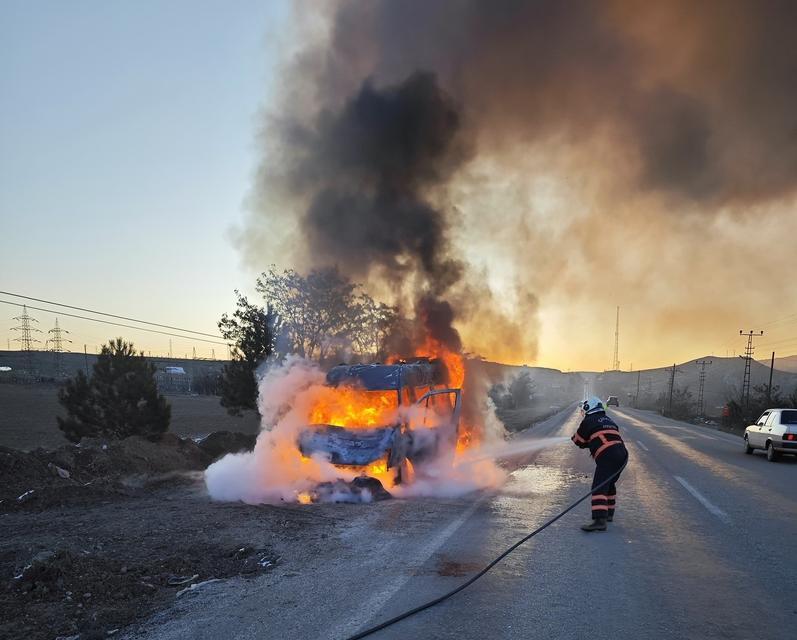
<point>385,421</point>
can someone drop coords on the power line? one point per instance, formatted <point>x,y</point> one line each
<point>792,316</point>
<point>774,342</point>
<point>115,324</point>
<point>110,315</point>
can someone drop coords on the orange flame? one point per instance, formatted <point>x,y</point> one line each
<point>377,469</point>
<point>454,362</point>
<point>354,407</point>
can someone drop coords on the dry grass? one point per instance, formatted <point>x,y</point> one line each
<point>27,416</point>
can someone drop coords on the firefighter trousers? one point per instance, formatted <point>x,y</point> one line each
<point>604,500</point>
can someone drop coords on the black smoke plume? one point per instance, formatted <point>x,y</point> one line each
<point>369,169</point>
<point>675,106</point>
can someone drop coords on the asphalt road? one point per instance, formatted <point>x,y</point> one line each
<point>704,545</point>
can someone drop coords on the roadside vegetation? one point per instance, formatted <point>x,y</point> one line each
<point>251,329</point>
<point>762,398</point>
<point>118,400</point>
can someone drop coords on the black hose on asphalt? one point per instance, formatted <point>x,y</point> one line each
<point>474,578</point>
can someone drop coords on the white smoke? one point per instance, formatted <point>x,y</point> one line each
<point>275,470</point>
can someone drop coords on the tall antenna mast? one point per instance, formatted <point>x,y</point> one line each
<point>616,361</point>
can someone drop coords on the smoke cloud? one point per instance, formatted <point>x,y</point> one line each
<point>513,158</point>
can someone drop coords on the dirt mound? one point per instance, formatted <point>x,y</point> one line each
<point>221,443</point>
<point>72,473</point>
<point>84,592</point>
<point>20,473</point>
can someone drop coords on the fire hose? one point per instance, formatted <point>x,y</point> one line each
<point>475,577</point>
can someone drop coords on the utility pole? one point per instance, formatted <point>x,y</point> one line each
<point>616,361</point>
<point>170,347</point>
<point>672,387</point>
<point>702,364</point>
<point>748,358</point>
<point>26,339</point>
<point>771,369</point>
<point>86,359</point>
<point>194,353</point>
<point>636,397</point>
<point>57,347</point>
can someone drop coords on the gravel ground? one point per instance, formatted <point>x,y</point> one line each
<point>114,557</point>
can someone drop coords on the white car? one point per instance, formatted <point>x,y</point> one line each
<point>775,432</point>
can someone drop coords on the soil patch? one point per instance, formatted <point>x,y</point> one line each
<point>87,567</point>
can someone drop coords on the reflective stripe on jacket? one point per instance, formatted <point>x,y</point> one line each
<point>597,432</point>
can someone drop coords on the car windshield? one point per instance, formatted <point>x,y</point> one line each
<point>354,407</point>
<point>788,417</point>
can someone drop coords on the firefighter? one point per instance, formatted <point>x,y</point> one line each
<point>601,436</point>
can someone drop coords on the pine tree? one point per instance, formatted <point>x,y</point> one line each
<point>120,399</point>
<point>252,329</point>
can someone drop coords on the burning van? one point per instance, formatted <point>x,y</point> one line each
<point>385,421</point>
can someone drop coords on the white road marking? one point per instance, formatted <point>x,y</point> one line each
<point>712,508</point>
<point>703,435</point>
<point>367,609</point>
<point>642,445</point>
<point>717,435</point>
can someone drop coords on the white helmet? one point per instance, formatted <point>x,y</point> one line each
<point>591,405</point>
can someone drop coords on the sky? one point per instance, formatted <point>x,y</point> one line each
<point>134,138</point>
<point>127,135</point>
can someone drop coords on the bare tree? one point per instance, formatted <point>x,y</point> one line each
<point>377,321</point>
<point>318,310</point>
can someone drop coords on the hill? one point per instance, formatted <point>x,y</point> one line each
<point>723,381</point>
<point>786,363</point>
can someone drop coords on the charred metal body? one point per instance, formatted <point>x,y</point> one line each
<point>385,377</point>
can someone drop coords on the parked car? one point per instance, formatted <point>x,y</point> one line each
<point>775,432</point>
<point>612,401</point>
<point>416,435</point>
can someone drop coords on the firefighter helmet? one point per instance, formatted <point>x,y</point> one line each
<point>593,404</point>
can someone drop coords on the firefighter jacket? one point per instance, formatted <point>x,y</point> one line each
<point>597,432</point>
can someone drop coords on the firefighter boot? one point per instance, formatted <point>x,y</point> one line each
<point>598,524</point>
